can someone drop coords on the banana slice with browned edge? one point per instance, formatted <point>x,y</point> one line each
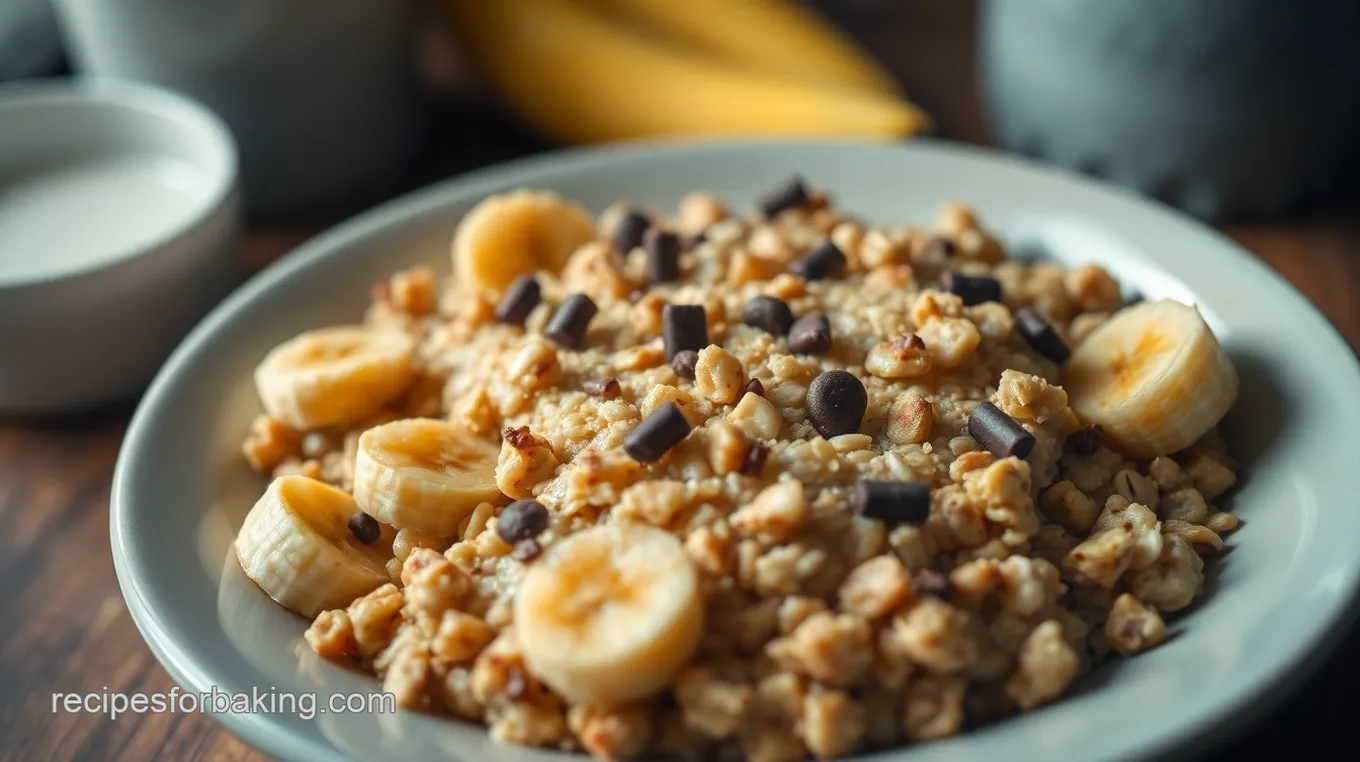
<point>334,375</point>
<point>296,545</point>
<point>610,614</point>
<point>1153,377</point>
<point>515,234</point>
<point>424,474</point>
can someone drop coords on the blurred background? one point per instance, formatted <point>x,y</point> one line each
<point>1245,113</point>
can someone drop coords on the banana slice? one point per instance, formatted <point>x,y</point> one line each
<point>424,474</point>
<point>504,237</point>
<point>297,546</point>
<point>334,375</point>
<point>609,614</point>
<point>1153,377</point>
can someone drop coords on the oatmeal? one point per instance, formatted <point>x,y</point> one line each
<point>771,486</point>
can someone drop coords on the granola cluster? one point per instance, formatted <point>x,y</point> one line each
<point>829,631</point>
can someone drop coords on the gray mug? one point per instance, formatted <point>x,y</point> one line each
<point>321,95</point>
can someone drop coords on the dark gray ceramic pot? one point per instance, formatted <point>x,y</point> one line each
<point>1241,108</point>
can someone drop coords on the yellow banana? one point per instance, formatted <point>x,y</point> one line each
<point>778,37</point>
<point>578,76</point>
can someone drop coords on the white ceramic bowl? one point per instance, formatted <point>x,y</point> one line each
<point>1273,607</point>
<point>119,218</point>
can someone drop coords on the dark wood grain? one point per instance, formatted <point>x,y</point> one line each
<point>64,626</point>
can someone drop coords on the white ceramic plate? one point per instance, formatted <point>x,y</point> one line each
<point>1274,604</point>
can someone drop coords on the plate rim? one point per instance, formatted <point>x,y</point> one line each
<point>1212,726</point>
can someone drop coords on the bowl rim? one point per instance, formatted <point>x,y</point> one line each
<point>116,95</point>
<point>1211,725</point>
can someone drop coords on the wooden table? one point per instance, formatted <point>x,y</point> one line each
<point>63,623</point>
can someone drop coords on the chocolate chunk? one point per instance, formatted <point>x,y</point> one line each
<point>683,326</point>
<point>810,334</point>
<point>999,432</point>
<point>822,262</point>
<point>683,363</point>
<point>754,462</point>
<point>604,388</point>
<point>567,326</point>
<point>628,233</point>
<point>931,582</point>
<point>1085,441</point>
<point>365,528</point>
<point>521,520</point>
<point>893,502</point>
<point>519,300</point>
<point>836,402</point>
<point>663,256</point>
<point>658,433</point>
<point>787,196</point>
<point>526,550</point>
<point>939,247</point>
<point>770,314</point>
<point>1041,336</point>
<point>972,289</point>
<point>755,387</point>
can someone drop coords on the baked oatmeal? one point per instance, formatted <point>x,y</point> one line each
<point>718,485</point>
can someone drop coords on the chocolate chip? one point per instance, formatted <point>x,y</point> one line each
<point>663,256</point>
<point>1041,336</point>
<point>892,502</point>
<point>770,314</point>
<point>939,247</point>
<point>604,388</point>
<point>567,326</point>
<point>999,432</point>
<point>658,433</point>
<point>628,233</point>
<point>683,326</point>
<point>836,402</point>
<point>755,387</point>
<point>822,262</point>
<point>365,528</point>
<point>787,196</point>
<point>521,520</point>
<point>519,300</point>
<point>810,334</point>
<point>1085,441</point>
<point>972,289</point>
<point>691,241</point>
<point>754,462</point>
<point>526,550</point>
<point>931,582</point>
<point>683,363</point>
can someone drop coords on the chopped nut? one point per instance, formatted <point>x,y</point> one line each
<point>1174,581</point>
<point>832,723</point>
<point>874,588</point>
<point>1210,476</point>
<point>1141,524</point>
<point>270,443</point>
<point>934,635</point>
<point>525,460</point>
<point>756,416</point>
<point>1047,665</point>
<point>834,649</point>
<point>903,357</point>
<point>535,365</point>
<point>1091,289</point>
<point>1102,558</point>
<point>1132,627</point>
<point>933,707</point>
<point>1166,473</point>
<point>374,619</point>
<point>1221,523</point>
<point>1028,398</point>
<point>950,342</point>
<point>776,513</point>
<point>711,705</point>
<point>407,677</point>
<point>1136,488</point>
<point>1185,504</point>
<point>910,420</point>
<point>611,732</point>
<point>718,375</point>
<point>460,637</point>
<point>433,585</point>
<point>331,635</point>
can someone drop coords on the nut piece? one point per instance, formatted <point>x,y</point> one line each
<point>775,514</point>
<point>950,342</point>
<point>756,416</point>
<point>1069,507</point>
<point>332,635</point>
<point>934,635</point>
<point>710,705</point>
<point>910,419</point>
<point>903,357</point>
<point>718,375</point>
<point>934,707</point>
<point>832,648</point>
<point>1028,398</point>
<point>525,460</point>
<point>1047,665</point>
<point>1210,476</point>
<point>1133,627</point>
<point>832,723</point>
<point>874,588</point>
<point>727,447</point>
